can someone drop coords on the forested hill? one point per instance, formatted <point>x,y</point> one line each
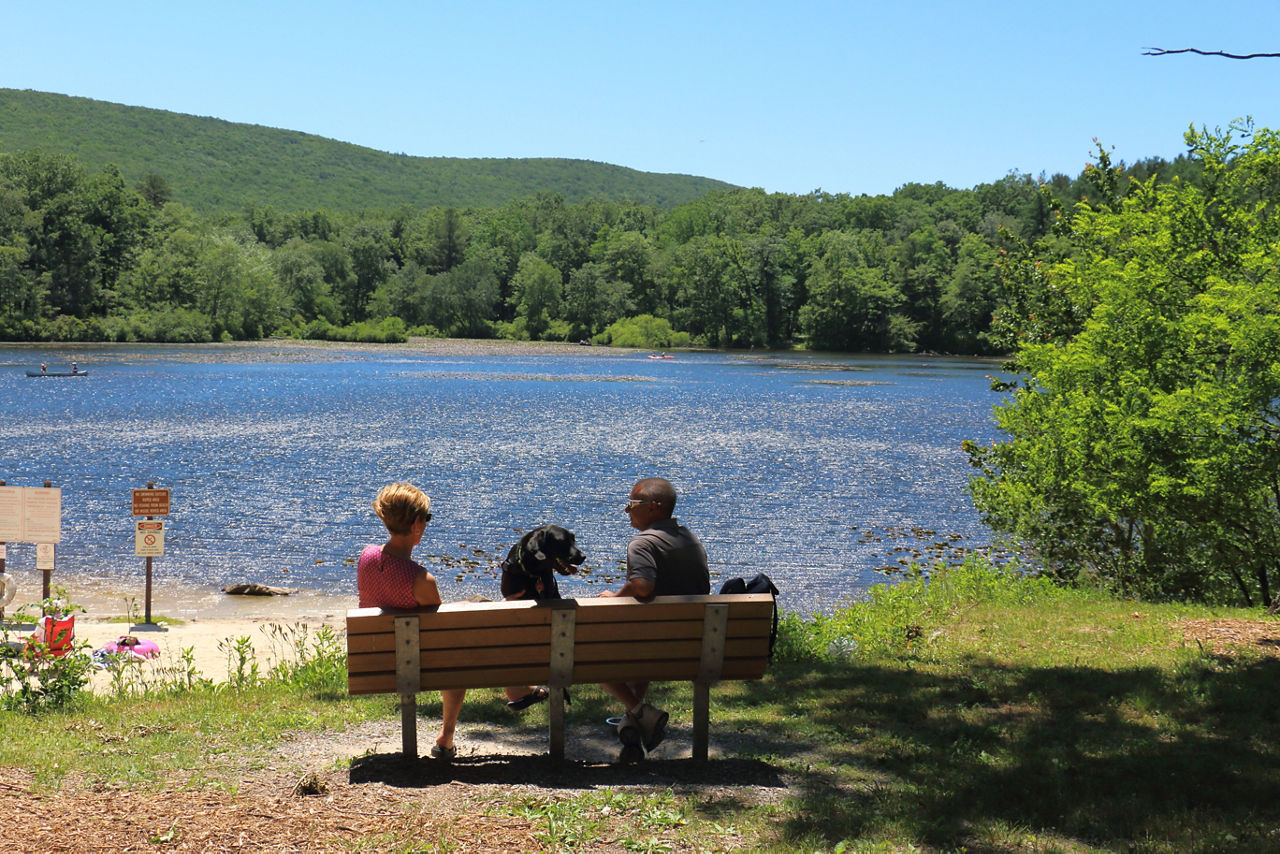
<point>217,166</point>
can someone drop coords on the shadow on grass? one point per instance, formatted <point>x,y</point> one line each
<point>393,769</point>
<point>941,754</point>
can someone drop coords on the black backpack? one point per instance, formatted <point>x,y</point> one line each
<point>760,584</point>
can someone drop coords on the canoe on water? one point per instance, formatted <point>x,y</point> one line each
<point>57,373</point>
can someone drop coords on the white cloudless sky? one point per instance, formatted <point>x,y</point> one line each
<point>853,97</point>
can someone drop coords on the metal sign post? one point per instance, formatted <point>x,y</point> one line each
<point>44,558</point>
<point>3,555</point>
<point>148,540</point>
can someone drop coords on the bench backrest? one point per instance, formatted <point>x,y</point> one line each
<point>493,644</point>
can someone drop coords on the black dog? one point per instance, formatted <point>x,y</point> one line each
<point>527,571</point>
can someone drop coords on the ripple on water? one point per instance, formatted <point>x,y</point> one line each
<point>783,464</point>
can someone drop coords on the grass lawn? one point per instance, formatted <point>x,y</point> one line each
<point>982,712</point>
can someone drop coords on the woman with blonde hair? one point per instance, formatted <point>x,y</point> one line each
<point>388,577</point>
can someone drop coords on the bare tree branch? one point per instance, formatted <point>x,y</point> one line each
<point>1159,51</point>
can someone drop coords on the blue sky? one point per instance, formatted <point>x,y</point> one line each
<point>854,97</point>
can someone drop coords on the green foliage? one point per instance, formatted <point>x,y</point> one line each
<point>327,241</point>
<point>536,294</point>
<point>852,304</point>
<point>1144,443</point>
<point>389,330</point>
<point>35,680</point>
<point>314,662</point>
<point>895,617</point>
<point>242,663</point>
<point>644,331</point>
<point>189,156</point>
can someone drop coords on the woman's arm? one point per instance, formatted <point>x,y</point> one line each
<point>425,590</point>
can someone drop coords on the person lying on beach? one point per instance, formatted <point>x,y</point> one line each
<point>387,577</point>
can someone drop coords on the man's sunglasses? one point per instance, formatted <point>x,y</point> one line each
<point>634,503</point>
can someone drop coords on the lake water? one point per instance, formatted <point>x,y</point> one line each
<point>815,469</point>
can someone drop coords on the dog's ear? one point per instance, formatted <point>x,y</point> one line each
<point>534,546</point>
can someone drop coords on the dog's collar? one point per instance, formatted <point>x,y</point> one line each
<point>520,553</point>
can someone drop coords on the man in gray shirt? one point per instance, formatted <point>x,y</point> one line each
<point>663,559</point>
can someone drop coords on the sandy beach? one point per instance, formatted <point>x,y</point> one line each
<point>203,620</point>
<point>209,639</point>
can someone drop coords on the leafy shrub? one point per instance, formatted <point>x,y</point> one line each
<point>516,330</point>
<point>643,331</point>
<point>317,664</point>
<point>557,330</point>
<point>34,680</point>
<point>168,326</point>
<point>390,330</point>
<point>894,615</point>
<point>65,328</point>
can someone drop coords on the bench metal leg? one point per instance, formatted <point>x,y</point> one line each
<point>409,725</point>
<point>701,720</point>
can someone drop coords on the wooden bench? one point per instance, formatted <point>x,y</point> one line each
<point>699,639</point>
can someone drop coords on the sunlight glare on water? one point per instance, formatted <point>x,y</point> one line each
<point>784,464</point>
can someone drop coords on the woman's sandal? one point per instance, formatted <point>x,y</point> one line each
<point>537,695</point>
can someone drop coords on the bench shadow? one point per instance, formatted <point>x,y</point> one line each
<point>394,769</point>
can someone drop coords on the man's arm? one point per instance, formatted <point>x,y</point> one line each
<point>640,588</point>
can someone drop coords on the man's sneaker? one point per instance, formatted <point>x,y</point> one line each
<point>631,754</point>
<point>629,731</point>
<point>653,725</point>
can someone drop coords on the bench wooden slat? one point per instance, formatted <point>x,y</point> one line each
<point>524,656</point>
<point>458,639</point>
<point>457,615</point>
<point>498,677</point>
<point>540,635</point>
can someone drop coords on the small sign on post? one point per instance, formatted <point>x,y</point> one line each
<point>148,539</point>
<point>150,502</point>
<point>148,536</point>
<point>30,514</point>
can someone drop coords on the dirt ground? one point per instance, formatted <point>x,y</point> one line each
<point>1222,637</point>
<point>304,801</point>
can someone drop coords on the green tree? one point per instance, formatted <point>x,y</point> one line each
<point>155,190</point>
<point>592,300</point>
<point>463,301</point>
<point>61,252</point>
<point>704,305</point>
<point>852,305</point>
<point>368,246</point>
<point>304,290</point>
<point>969,298</point>
<point>236,289</point>
<point>920,266</point>
<point>1143,444</point>
<point>536,295</point>
<point>21,299</point>
<point>627,258</point>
